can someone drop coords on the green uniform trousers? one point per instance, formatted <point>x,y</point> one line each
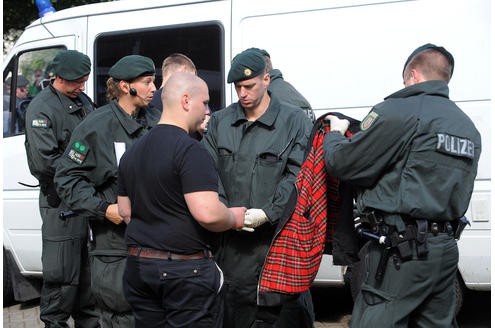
<point>66,278</point>
<point>107,272</point>
<point>418,294</point>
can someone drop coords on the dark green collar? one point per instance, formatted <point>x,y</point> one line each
<point>436,87</point>
<point>267,119</point>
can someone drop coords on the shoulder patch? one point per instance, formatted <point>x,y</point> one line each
<point>78,152</point>
<point>39,123</point>
<point>368,120</point>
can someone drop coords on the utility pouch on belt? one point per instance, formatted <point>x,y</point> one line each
<point>461,224</point>
<point>405,250</point>
<point>421,245</point>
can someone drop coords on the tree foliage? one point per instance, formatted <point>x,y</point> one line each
<point>17,14</point>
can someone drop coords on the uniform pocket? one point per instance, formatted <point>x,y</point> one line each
<point>107,283</point>
<point>374,296</point>
<point>61,260</point>
<point>267,173</point>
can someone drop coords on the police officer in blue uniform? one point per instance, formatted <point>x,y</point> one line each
<point>414,162</point>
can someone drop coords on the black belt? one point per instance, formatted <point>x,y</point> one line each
<point>437,227</point>
<point>165,255</point>
<point>434,226</point>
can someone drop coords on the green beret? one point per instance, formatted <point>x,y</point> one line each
<point>263,52</point>
<point>428,46</point>
<point>21,81</point>
<point>71,65</point>
<point>246,65</point>
<point>133,66</point>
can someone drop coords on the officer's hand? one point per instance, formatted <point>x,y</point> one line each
<point>254,218</point>
<point>112,214</point>
<point>336,124</point>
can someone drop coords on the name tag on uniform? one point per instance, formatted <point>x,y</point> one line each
<point>456,146</point>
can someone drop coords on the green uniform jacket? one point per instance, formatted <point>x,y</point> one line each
<point>416,154</point>
<point>86,178</point>
<point>258,161</point>
<point>50,119</point>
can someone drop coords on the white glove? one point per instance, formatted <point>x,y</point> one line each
<point>336,124</point>
<point>253,218</point>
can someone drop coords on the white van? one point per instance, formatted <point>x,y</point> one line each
<point>342,55</point>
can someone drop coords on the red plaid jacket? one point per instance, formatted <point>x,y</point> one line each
<point>297,249</point>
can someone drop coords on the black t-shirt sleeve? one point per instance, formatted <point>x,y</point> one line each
<point>121,188</point>
<point>198,171</point>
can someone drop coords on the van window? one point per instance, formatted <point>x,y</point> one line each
<point>25,76</point>
<point>200,42</point>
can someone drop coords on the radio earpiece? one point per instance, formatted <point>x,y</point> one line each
<point>134,93</point>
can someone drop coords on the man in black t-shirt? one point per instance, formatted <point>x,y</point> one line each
<point>169,181</point>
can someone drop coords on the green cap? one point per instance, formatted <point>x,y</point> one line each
<point>71,65</point>
<point>428,46</point>
<point>246,65</point>
<point>130,67</point>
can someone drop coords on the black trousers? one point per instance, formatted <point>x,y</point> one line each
<point>174,293</point>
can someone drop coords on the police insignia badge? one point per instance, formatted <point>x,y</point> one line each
<point>368,120</point>
<point>247,72</point>
<point>78,152</point>
<point>39,123</point>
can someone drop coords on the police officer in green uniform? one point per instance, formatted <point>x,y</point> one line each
<point>86,177</point>
<point>50,119</point>
<point>414,162</point>
<point>258,146</point>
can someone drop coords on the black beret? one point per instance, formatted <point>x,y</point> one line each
<point>133,66</point>
<point>71,65</point>
<point>246,65</point>
<point>428,46</point>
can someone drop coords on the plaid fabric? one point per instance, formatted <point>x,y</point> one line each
<point>295,255</point>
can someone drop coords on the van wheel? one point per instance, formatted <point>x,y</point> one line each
<point>8,291</point>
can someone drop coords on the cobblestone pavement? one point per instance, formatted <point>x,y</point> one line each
<point>333,308</point>
<point>26,315</point>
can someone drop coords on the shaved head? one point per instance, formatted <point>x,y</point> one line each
<point>181,83</point>
<point>185,101</point>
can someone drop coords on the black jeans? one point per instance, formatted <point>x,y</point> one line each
<point>174,293</point>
